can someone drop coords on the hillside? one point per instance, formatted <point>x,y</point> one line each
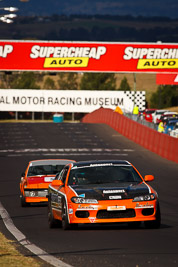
<point>92,7</point>
<point>92,28</point>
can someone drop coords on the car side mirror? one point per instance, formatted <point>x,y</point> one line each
<point>23,174</point>
<point>149,178</point>
<point>57,183</point>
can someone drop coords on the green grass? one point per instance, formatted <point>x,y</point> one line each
<point>10,256</point>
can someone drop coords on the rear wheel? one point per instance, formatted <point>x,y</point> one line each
<point>53,223</point>
<point>156,223</point>
<point>22,201</point>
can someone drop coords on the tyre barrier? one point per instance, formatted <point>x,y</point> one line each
<point>159,143</point>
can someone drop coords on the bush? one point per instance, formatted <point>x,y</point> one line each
<point>165,96</point>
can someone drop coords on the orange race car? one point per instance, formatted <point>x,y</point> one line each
<point>36,179</point>
<point>102,192</point>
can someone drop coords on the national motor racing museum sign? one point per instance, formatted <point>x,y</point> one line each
<point>68,100</point>
<point>88,56</point>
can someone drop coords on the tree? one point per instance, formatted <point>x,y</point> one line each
<point>165,96</point>
<point>49,84</point>
<point>124,85</point>
<point>26,80</point>
<point>6,79</point>
<point>98,81</point>
<point>68,81</point>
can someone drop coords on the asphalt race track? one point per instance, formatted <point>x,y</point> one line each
<point>95,245</point>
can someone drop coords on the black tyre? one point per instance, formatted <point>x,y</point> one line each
<point>65,221</point>
<point>23,202</point>
<point>134,225</point>
<point>156,223</point>
<point>53,223</point>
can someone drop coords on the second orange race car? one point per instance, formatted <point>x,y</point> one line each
<point>36,179</point>
<point>102,192</point>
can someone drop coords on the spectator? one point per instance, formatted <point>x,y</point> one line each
<point>161,127</point>
<point>135,113</point>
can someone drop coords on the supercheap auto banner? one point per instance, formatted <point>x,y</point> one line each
<point>88,56</point>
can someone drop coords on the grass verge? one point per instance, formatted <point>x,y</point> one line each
<point>10,256</point>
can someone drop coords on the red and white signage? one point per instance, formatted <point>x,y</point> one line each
<point>88,56</point>
<point>165,78</point>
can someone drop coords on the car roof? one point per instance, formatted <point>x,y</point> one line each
<point>160,111</point>
<point>151,109</point>
<point>100,163</point>
<point>170,112</point>
<point>169,115</point>
<point>50,161</point>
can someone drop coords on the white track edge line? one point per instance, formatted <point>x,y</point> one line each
<point>21,238</point>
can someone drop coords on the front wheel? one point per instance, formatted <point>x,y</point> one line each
<point>156,223</point>
<point>134,225</point>
<point>65,220</point>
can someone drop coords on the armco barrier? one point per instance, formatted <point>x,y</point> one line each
<point>161,144</point>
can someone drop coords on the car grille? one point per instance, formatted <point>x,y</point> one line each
<point>147,212</point>
<point>105,214</point>
<point>82,214</point>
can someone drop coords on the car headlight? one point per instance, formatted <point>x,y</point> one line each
<point>144,198</point>
<point>81,200</point>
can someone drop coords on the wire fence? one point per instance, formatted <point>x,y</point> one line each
<point>141,120</point>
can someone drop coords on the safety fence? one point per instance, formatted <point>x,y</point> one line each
<point>159,143</point>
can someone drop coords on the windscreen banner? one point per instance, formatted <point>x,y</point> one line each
<point>69,100</point>
<point>88,57</point>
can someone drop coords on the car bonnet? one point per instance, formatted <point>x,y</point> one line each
<point>108,192</point>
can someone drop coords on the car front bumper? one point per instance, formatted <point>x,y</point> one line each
<point>112,211</point>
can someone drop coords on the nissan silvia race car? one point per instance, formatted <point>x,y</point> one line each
<point>36,179</point>
<point>102,192</point>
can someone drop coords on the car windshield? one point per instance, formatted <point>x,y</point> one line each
<point>44,170</point>
<point>103,174</point>
<point>172,122</point>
